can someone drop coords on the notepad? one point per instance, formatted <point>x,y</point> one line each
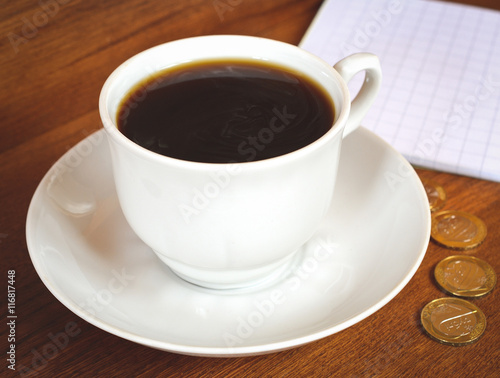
<point>439,104</point>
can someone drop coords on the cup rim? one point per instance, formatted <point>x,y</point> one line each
<point>111,128</point>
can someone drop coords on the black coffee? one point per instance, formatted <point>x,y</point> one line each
<point>226,111</point>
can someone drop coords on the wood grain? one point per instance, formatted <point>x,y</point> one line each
<point>50,82</point>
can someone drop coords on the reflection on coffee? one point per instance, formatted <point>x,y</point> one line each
<point>226,111</point>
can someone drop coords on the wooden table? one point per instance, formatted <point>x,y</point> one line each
<point>54,58</point>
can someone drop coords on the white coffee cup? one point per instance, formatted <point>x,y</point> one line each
<point>231,225</point>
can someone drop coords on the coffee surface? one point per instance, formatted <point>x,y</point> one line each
<point>225,111</point>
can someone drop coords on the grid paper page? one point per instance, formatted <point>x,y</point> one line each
<point>439,104</point>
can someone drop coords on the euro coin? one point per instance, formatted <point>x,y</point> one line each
<point>457,229</point>
<point>453,321</point>
<point>465,276</point>
<point>435,194</point>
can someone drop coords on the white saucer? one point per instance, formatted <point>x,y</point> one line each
<point>365,252</point>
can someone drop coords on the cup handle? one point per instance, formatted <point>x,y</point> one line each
<point>350,66</point>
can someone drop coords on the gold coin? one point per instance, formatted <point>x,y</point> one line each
<point>453,321</point>
<point>465,276</point>
<point>435,194</point>
<point>457,229</point>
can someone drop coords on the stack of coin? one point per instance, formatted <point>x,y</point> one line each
<point>435,194</point>
<point>465,276</point>
<point>455,321</point>
<point>457,229</point>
